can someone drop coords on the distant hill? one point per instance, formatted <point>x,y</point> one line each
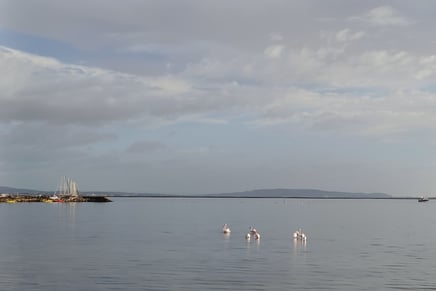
<point>260,193</point>
<point>11,190</point>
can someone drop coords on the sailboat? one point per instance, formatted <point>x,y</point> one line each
<point>67,191</point>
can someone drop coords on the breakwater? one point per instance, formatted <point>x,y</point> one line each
<point>50,199</point>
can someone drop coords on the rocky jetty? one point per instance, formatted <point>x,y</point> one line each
<point>9,198</point>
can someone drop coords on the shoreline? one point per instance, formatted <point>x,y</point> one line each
<point>266,197</point>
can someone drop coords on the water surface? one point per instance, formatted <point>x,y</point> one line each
<point>177,244</point>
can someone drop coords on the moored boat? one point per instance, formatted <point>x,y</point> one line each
<point>423,199</point>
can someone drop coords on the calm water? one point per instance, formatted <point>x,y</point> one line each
<point>177,244</point>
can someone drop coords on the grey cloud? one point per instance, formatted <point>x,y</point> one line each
<point>31,147</point>
<point>41,89</point>
<point>245,24</point>
<point>383,16</point>
<point>145,146</point>
<point>48,91</point>
<point>181,33</point>
<point>47,138</point>
<point>150,64</point>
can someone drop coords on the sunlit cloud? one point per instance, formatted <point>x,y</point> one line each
<point>383,16</point>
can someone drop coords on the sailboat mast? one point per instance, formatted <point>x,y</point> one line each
<point>63,185</point>
<point>67,180</point>
<point>68,187</point>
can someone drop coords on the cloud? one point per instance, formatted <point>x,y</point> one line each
<point>53,137</point>
<point>334,66</point>
<point>383,16</point>
<point>145,146</point>
<point>163,89</point>
<point>347,35</point>
<point>395,114</point>
<point>42,89</point>
<point>367,94</point>
<point>274,52</point>
<point>276,36</point>
<point>248,82</point>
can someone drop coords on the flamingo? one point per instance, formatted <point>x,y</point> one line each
<point>252,230</point>
<point>226,229</point>
<point>299,235</point>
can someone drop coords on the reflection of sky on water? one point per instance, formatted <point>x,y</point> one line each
<point>143,244</point>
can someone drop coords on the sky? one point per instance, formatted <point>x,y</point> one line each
<point>201,96</point>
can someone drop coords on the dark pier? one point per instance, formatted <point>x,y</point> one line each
<point>9,198</point>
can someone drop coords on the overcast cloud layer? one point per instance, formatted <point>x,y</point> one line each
<point>215,96</point>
